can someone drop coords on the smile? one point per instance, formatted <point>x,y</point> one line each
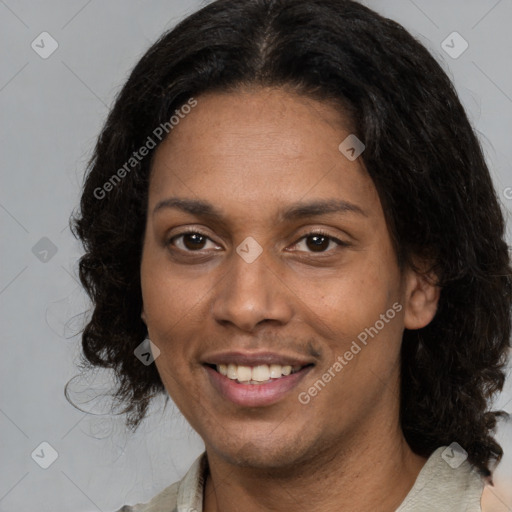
<point>256,374</point>
<point>255,386</point>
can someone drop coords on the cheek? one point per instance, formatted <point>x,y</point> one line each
<point>169,305</point>
<point>349,301</point>
<point>346,311</point>
<point>170,308</point>
<point>168,294</point>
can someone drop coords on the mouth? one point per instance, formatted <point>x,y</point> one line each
<point>256,375</point>
<point>255,385</point>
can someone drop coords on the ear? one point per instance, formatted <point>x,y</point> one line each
<point>143,315</point>
<point>421,298</point>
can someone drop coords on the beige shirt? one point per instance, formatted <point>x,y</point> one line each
<point>439,487</point>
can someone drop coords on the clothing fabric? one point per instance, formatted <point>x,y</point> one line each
<point>443,485</point>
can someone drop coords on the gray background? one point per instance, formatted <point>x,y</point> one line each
<point>51,111</point>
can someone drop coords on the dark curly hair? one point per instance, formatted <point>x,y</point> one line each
<point>421,153</point>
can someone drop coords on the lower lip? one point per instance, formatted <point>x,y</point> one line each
<point>255,395</point>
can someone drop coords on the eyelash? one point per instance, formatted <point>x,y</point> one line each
<point>340,243</point>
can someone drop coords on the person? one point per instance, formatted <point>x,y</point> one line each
<point>290,230</point>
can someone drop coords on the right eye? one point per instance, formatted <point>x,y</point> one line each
<point>190,241</point>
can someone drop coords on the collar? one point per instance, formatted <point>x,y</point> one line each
<point>191,486</point>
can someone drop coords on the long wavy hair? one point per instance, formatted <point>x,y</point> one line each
<point>421,153</point>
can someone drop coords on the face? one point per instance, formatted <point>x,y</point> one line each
<point>266,248</point>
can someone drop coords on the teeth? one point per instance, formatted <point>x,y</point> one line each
<point>275,371</point>
<point>244,373</point>
<point>261,373</point>
<point>255,374</point>
<point>286,370</point>
<point>231,372</point>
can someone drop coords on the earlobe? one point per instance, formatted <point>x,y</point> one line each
<point>143,316</point>
<point>421,300</point>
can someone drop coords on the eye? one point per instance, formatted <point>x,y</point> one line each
<point>195,241</point>
<point>191,241</point>
<point>320,241</point>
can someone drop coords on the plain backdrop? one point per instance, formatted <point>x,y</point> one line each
<point>52,110</point>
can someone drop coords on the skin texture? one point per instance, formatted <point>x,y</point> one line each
<point>252,153</point>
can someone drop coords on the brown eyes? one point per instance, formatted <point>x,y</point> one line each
<point>315,242</point>
<point>191,241</point>
<point>319,242</point>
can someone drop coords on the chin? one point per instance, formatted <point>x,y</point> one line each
<point>265,453</point>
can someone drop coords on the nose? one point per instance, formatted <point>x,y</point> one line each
<point>250,294</point>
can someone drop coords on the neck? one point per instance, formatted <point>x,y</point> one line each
<point>374,473</point>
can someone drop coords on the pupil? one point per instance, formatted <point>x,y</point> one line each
<point>320,242</point>
<point>197,240</point>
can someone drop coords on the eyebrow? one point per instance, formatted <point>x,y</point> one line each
<point>295,211</point>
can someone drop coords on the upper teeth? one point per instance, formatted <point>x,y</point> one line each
<point>259,373</point>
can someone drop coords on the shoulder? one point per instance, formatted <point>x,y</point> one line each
<point>498,496</point>
<point>188,492</point>
<point>447,483</point>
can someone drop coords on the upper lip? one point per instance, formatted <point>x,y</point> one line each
<point>255,359</point>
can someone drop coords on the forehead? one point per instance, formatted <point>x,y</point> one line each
<point>261,148</point>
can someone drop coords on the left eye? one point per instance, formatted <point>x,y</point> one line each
<point>320,242</point>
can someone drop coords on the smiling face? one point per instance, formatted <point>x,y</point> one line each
<point>265,245</point>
